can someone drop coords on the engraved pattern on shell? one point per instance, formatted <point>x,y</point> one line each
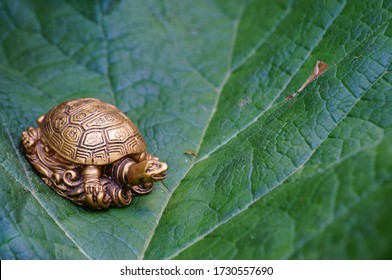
<point>89,131</point>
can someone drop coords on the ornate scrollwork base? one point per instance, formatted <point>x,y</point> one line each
<point>69,180</point>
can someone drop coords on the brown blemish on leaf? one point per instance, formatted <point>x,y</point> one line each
<point>317,71</point>
<point>190,152</point>
<point>290,96</point>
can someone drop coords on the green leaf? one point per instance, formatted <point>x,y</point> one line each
<point>306,178</point>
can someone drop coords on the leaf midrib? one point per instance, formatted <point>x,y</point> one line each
<point>218,94</point>
<point>227,76</point>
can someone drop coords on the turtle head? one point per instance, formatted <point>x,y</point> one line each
<point>147,171</point>
<point>155,170</point>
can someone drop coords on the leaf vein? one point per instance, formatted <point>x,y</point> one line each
<point>272,103</point>
<point>263,39</point>
<point>336,216</point>
<point>169,31</point>
<point>47,40</point>
<point>219,90</point>
<point>104,33</point>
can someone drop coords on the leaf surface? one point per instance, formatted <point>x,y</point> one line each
<point>304,178</point>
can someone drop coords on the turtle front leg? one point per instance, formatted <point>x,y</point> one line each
<point>95,195</point>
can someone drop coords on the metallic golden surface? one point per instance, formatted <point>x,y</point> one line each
<point>89,152</point>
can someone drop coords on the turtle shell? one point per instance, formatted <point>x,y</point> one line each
<point>89,131</point>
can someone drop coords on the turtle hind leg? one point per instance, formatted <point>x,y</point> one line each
<point>29,140</point>
<point>31,137</point>
<point>34,151</point>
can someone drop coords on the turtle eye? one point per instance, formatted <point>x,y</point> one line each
<point>150,166</point>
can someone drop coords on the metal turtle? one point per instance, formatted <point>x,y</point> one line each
<point>92,154</point>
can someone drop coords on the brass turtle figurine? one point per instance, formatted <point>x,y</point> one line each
<point>92,154</point>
